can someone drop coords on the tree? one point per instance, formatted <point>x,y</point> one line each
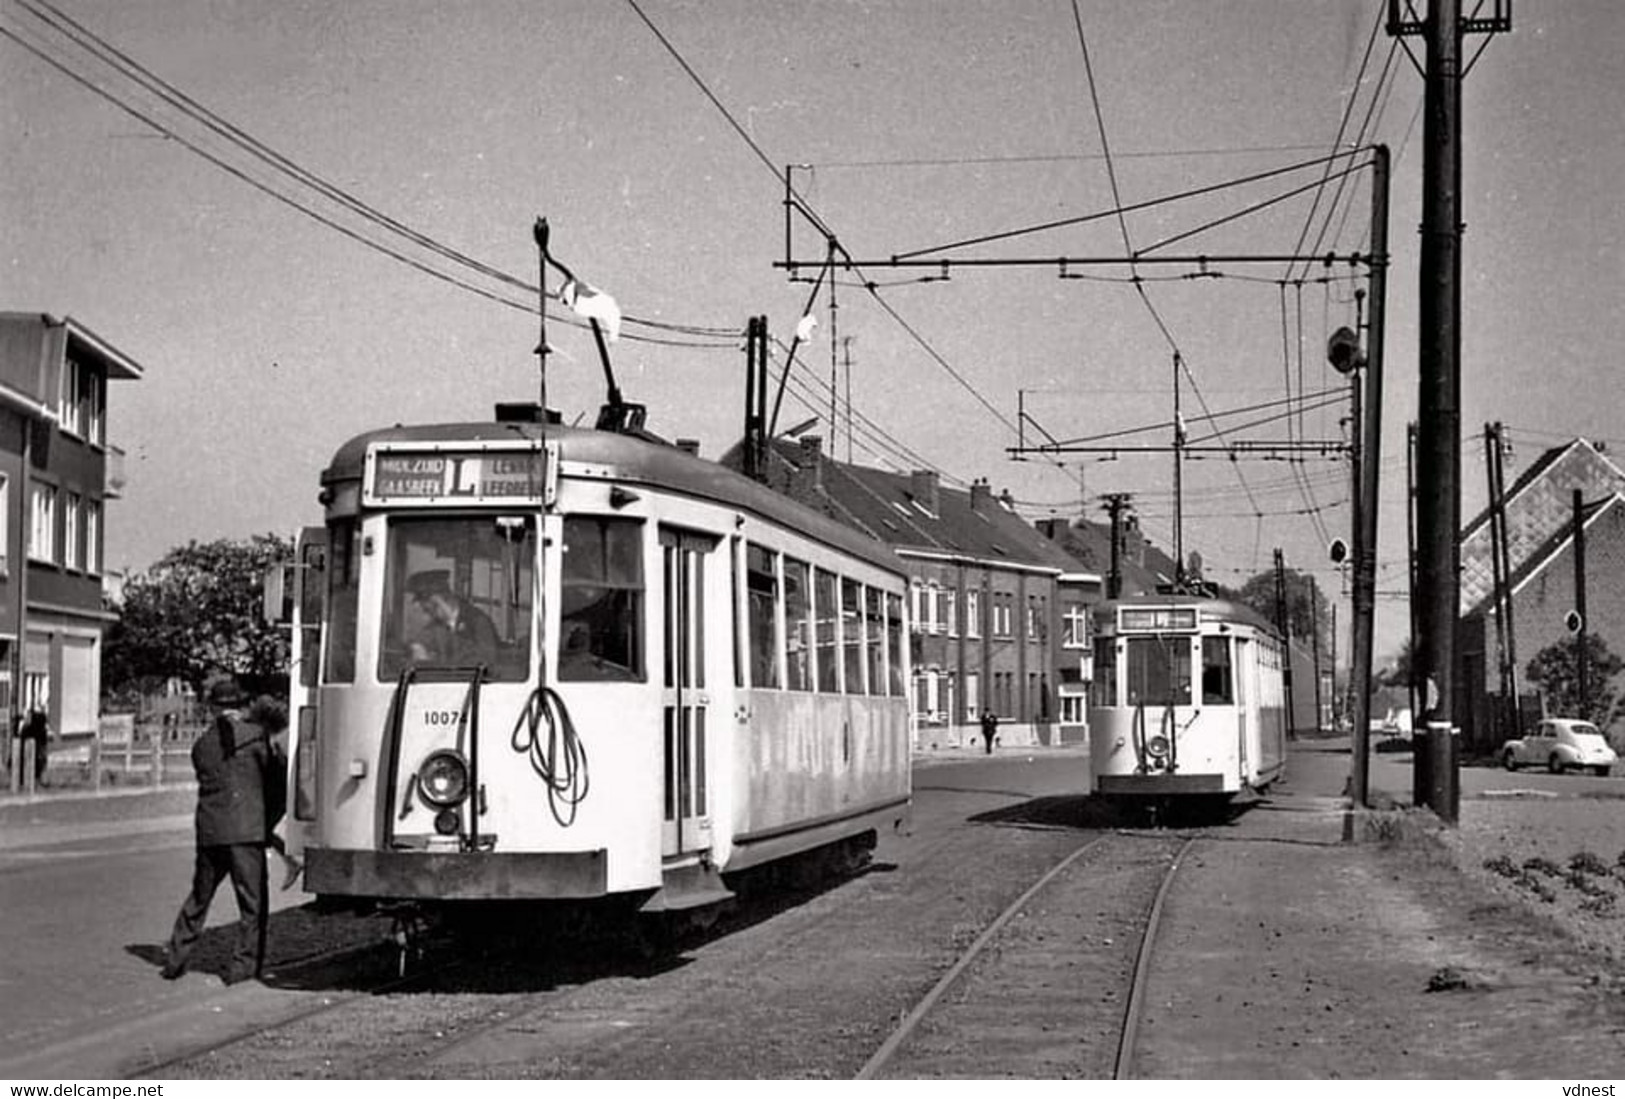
<point>1556,671</point>
<point>1403,670</point>
<point>1259,594</point>
<point>197,612</point>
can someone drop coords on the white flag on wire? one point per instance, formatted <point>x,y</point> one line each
<point>804,328</point>
<point>595,304</point>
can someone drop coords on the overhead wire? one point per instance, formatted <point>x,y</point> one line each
<point>120,62</point>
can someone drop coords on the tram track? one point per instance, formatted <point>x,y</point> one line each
<point>1054,967</point>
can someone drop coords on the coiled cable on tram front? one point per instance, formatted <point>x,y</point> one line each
<point>557,755</point>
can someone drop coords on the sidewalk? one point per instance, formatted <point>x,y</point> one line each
<point>55,816</point>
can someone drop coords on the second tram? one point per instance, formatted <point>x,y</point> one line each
<point>1187,701</point>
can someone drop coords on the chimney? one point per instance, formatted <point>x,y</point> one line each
<point>922,485</point>
<point>808,480</point>
<point>689,446</point>
<point>1008,501</point>
<point>981,496</point>
<point>1051,528</point>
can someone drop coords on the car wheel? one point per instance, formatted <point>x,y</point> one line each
<point>1554,764</point>
<point>1602,771</point>
<point>1509,760</point>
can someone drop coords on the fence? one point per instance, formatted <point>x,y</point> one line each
<point>149,748</point>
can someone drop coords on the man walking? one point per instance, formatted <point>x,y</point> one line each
<point>241,787</point>
<point>990,728</point>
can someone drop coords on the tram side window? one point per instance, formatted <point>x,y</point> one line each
<point>601,614</point>
<point>343,599</point>
<point>1103,688</point>
<point>1218,679</point>
<point>852,634</point>
<point>874,639</point>
<point>894,644</point>
<point>1159,671</point>
<point>829,629</point>
<point>762,589</point>
<point>458,594</point>
<point>798,625</point>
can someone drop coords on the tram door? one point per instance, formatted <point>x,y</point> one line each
<point>685,685</point>
<point>309,587</point>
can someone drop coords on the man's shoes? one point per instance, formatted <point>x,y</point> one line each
<point>295,868</point>
<point>171,971</point>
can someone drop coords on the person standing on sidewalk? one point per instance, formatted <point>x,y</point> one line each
<point>990,728</point>
<point>241,789</point>
<point>37,729</point>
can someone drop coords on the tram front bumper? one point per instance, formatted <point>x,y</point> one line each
<point>455,875</point>
<point>1158,784</point>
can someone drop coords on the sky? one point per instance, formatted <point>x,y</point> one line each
<point>376,264</point>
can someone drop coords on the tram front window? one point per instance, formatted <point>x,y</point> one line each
<point>1159,671</point>
<point>457,594</point>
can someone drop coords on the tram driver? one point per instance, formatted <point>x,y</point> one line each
<point>457,632</point>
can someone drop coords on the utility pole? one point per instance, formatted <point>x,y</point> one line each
<point>1179,493</point>
<point>1283,619</point>
<point>1116,503</point>
<point>1439,387</point>
<point>846,348</point>
<point>1580,600</point>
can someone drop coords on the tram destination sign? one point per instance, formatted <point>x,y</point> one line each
<point>418,474</point>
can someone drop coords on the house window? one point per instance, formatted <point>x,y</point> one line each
<point>5,524</point>
<point>950,611</point>
<point>42,531</point>
<point>1001,614</point>
<point>973,614</point>
<point>93,534</point>
<point>96,402</point>
<point>80,409</point>
<point>68,411</point>
<point>70,530</point>
<point>973,695</point>
<point>1075,627</point>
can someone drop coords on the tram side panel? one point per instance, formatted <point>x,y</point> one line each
<point>821,765</point>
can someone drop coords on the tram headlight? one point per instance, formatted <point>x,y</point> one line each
<point>443,779</point>
<point>1157,747</point>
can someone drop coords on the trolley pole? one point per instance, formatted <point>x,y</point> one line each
<point>540,231</point>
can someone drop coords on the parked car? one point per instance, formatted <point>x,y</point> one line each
<point>1560,743</point>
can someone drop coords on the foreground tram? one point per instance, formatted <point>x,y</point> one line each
<point>1188,701</point>
<point>536,663</point>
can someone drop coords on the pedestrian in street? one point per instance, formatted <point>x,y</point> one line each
<point>241,788</point>
<point>36,730</point>
<point>272,716</point>
<point>990,728</point>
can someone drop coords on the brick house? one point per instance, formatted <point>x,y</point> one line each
<point>57,472</point>
<point>1540,540</point>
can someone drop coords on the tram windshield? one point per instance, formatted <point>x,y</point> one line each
<point>458,593</point>
<point>1159,671</point>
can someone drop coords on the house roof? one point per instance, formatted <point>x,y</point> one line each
<point>914,513</point>
<point>1542,556</point>
<point>1538,505</point>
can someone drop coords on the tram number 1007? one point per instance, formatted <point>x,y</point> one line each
<point>441,717</point>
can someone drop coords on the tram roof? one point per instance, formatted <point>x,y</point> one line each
<point>635,461</point>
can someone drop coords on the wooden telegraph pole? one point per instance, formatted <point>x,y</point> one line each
<point>1438,449</point>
